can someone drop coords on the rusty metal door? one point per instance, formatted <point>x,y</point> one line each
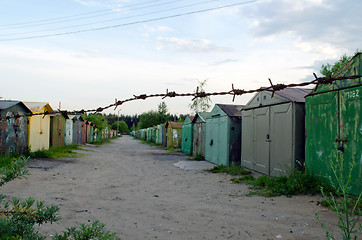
<point>350,134</point>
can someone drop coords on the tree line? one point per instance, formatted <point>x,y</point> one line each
<point>127,123</point>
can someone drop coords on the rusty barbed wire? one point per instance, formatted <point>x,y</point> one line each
<point>234,92</point>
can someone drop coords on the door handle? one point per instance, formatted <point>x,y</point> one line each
<point>343,140</point>
<point>268,138</point>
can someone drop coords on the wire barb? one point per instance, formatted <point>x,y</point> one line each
<point>169,94</point>
<point>199,94</point>
<point>276,87</point>
<point>143,96</point>
<point>238,92</point>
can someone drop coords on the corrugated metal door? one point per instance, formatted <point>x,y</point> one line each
<point>186,144</point>
<point>262,140</point>
<point>350,136</point>
<point>322,131</point>
<point>215,141</point>
<point>223,140</point>
<point>248,139</point>
<point>199,139</point>
<point>281,145</point>
<point>84,132</point>
<point>211,144</point>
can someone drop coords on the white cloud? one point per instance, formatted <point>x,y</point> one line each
<point>190,45</point>
<point>327,28</point>
<point>159,29</point>
<point>321,48</point>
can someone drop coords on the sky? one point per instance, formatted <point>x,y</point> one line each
<point>84,54</point>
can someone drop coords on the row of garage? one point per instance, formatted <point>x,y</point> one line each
<point>277,133</point>
<point>39,132</point>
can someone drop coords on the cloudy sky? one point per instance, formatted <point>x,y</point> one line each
<point>86,53</point>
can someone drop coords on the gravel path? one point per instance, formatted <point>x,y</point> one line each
<point>144,192</point>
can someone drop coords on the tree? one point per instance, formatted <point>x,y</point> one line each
<point>162,112</point>
<point>200,104</point>
<point>330,69</point>
<point>120,126</point>
<point>98,119</point>
<point>148,119</point>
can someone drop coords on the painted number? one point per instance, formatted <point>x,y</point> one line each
<point>353,94</point>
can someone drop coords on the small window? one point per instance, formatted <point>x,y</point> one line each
<point>264,97</point>
<point>257,98</point>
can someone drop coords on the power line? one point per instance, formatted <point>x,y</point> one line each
<point>115,19</point>
<point>130,23</point>
<point>81,18</point>
<point>76,15</point>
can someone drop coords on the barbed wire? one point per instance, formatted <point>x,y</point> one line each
<point>234,92</point>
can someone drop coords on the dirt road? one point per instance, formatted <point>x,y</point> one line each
<point>139,192</point>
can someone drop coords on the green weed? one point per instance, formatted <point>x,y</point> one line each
<point>296,184</point>
<point>347,208</point>
<point>5,161</point>
<point>66,151</point>
<point>101,142</point>
<point>152,144</point>
<point>173,150</point>
<point>231,170</point>
<point>199,157</point>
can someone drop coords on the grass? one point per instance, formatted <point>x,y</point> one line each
<point>173,150</point>
<point>5,161</point>
<point>66,151</point>
<point>101,142</point>
<point>53,152</point>
<point>295,184</point>
<point>198,157</point>
<point>231,170</point>
<point>152,143</point>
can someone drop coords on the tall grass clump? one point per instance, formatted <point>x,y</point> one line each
<point>347,208</point>
<point>297,183</point>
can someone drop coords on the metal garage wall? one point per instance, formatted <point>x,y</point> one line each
<point>187,133</point>
<point>282,139</point>
<point>222,134</point>
<point>273,132</point>
<point>334,122</point>
<point>199,134</point>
